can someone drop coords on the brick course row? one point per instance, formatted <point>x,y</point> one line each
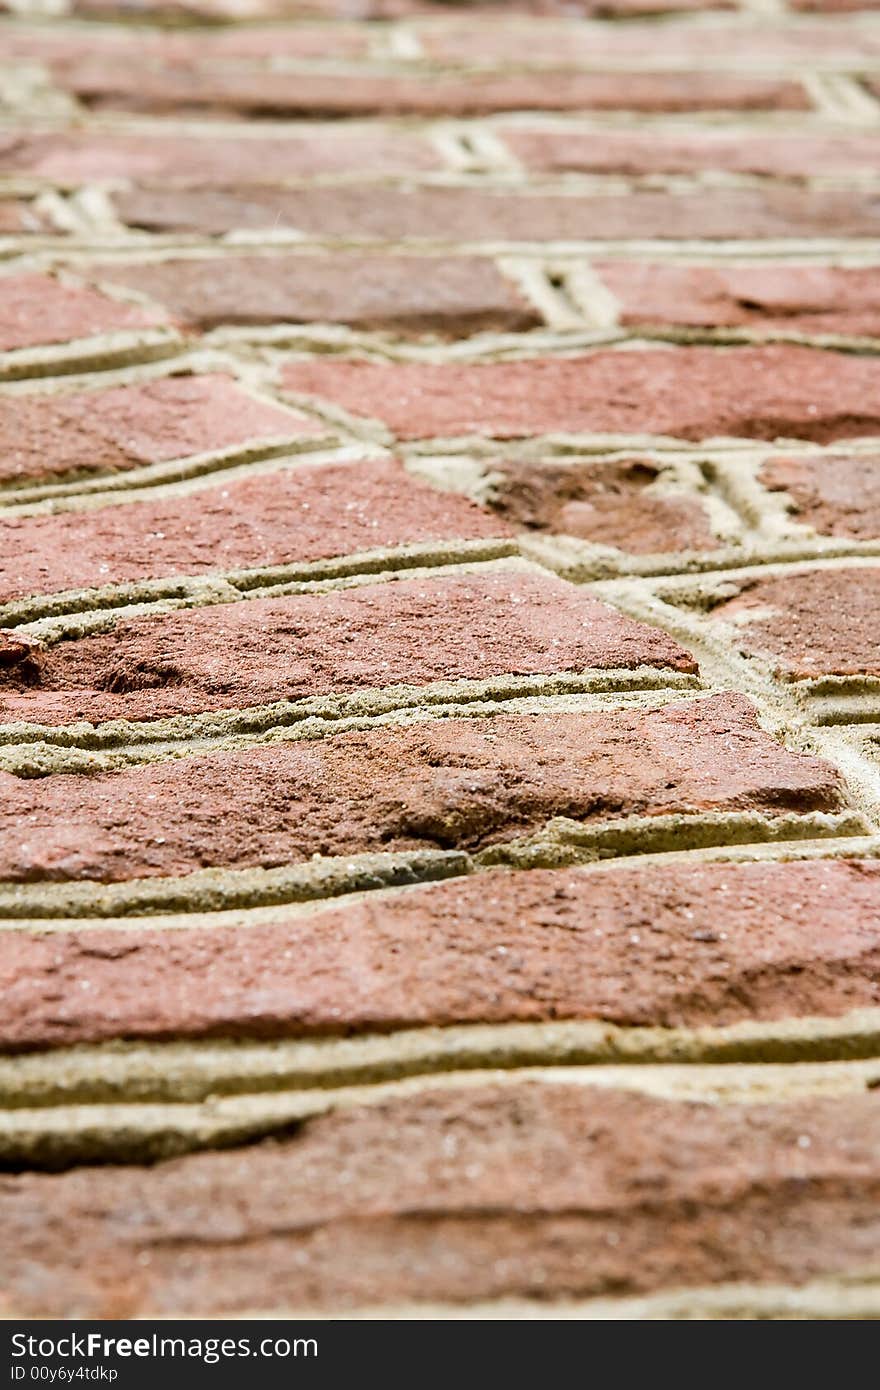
<point>439,451</point>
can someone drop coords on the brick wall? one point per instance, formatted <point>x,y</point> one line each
<point>440,657</point>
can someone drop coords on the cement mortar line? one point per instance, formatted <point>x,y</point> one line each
<point>781,1059</point>
<point>674,1068</point>
<point>90,354</point>
<point>431,560</point>
<point>779,851</point>
<point>181,477</point>
<point>560,844</point>
<point>31,750</point>
<point>33,253</point>
<point>834,1299</point>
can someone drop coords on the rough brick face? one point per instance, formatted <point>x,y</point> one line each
<point>522,1187</point>
<point>119,86</point>
<point>811,622</point>
<point>608,502</point>
<point>468,215</point>
<point>123,427</point>
<point>658,151</point>
<point>410,632</point>
<point>281,518</point>
<point>74,156</point>
<point>406,294</point>
<point>454,783</point>
<point>835,494</point>
<point>36,310</point>
<point>680,945</point>
<point>797,299</point>
<point>439,675</point>
<point>691,393</point>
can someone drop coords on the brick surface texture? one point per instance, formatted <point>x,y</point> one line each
<point>439,658</point>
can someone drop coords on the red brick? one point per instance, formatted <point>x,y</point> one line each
<point>311,512</point>
<point>128,85</point>
<point>469,1193</point>
<point>470,214</point>
<point>80,156</point>
<point>37,310</point>
<point>224,10</point>
<point>823,622</point>
<point>606,501</point>
<point>677,945</point>
<point>450,783</point>
<point>733,46</point>
<point>453,296</point>
<point>691,393</point>
<point>47,437</point>
<point>835,494</point>
<point>768,298</point>
<point>409,632</point>
<point>782,154</point>
<point>62,47</point>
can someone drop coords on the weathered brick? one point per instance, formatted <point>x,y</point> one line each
<point>73,156</point>
<point>838,495</point>
<point>691,393</point>
<point>677,945</point>
<point>726,45</point>
<point>409,632</point>
<point>456,295</point>
<point>770,298</point>
<point>224,10</point>
<point>823,622</point>
<point>781,154</point>
<point>453,783</point>
<point>127,85</point>
<point>37,310</point>
<point>312,512</point>
<point>547,1190</point>
<point>607,501</point>
<point>471,214</point>
<point>47,437</point>
<point>64,47</point>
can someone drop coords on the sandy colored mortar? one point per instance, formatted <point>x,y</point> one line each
<point>718,514</point>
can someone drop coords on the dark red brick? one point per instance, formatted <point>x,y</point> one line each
<point>606,501</point>
<point>47,437</point>
<point>691,393</point>
<point>310,512</point>
<point>677,945</point>
<point>768,298</point>
<point>838,495</point>
<point>470,214</point>
<point>451,783</point>
<point>469,1193</point>
<point>822,622</point>
<point>261,650</point>
<point>37,310</point>
<point>456,295</point>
